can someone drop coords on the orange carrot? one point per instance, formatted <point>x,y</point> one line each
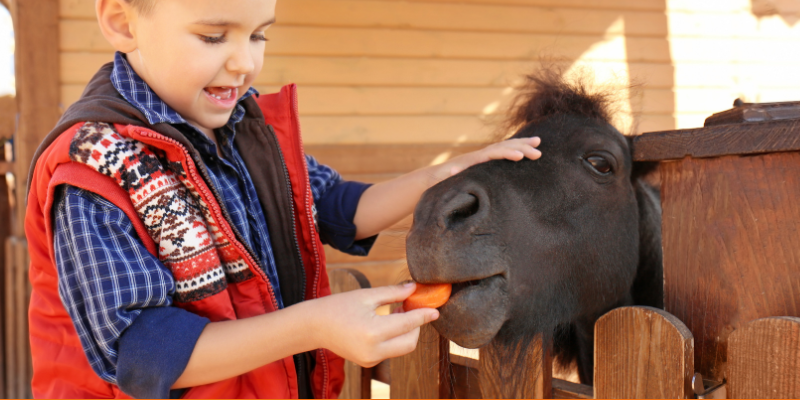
<point>429,296</point>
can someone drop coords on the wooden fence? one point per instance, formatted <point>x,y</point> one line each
<point>19,371</point>
<point>640,352</point>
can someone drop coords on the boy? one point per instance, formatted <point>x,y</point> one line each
<point>174,242</point>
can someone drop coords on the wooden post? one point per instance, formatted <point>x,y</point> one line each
<point>418,375</point>
<point>38,87</point>
<point>522,372</point>
<point>357,379</point>
<point>8,116</point>
<point>17,295</point>
<point>642,352</point>
<point>764,359</point>
<point>36,53</point>
<point>730,221</point>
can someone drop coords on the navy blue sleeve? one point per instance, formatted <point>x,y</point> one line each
<point>336,210</point>
<point>155,350</point>
<point>118,295</point>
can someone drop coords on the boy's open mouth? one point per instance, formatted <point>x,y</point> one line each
<point>225,96</point>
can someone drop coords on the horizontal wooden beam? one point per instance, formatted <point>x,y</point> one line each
<point>5,166</point>
<point>718,140</point>
<point>569,390</point>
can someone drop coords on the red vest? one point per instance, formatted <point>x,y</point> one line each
<point>61,369</point>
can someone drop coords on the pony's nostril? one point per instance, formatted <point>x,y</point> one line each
<point>462,207</point>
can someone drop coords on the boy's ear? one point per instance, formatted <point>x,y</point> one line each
<point>117,18</point>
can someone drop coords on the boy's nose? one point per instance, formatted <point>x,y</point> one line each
<point>241,62</point>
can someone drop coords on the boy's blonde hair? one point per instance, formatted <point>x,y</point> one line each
<point>142,6</point>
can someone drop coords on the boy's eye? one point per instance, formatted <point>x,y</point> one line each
<point>258,37</point>
<point>212,39</point>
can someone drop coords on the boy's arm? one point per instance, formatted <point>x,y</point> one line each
<point>345,323</point>
<point>126,329</point>
<point>384,204</point>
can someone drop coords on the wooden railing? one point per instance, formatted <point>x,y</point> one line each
<point>640,352</point>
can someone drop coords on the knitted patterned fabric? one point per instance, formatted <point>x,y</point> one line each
<point>190,241</point>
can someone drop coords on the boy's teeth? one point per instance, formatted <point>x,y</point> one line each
<point>220,93</point>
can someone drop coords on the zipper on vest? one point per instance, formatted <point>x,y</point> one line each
<point>317,261</point>
<point>221,214</point>
<point>291,208</point>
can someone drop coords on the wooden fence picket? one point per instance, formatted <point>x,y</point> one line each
<point>764,359</point>
<point>19,370</point>
<point>642,352</point>
<point>421,373</point>
<point>523,374</point>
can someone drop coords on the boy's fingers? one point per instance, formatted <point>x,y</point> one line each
<point>390,294</point>
<point>401,345</point>
<point>533,154</point>
<point>394,325</point>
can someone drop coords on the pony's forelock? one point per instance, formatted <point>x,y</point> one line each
<point>548,92</point>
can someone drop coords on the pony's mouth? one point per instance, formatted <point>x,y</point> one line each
<point>472,285</point>
<point>475,312</point>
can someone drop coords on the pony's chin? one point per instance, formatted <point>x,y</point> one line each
<point>475,313</point>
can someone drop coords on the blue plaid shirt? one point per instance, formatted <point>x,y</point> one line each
<point>107,279</point>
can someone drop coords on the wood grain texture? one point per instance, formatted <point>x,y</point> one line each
<point>642,352</point>
<point>304,40</point>
<point>79,67</point>
<point>5,232</point>
<point>17,296</point>
<point>569,390</point>
<point>84,9</point>
<point>379,273</point>
<point>85,35</point>
<point>464,382</point>
<point>437,15</point>
<point>385,158</point>
<point>36,65</point>
<point>521,372</point>
<point>764,359</point>
<point>720,140</point>
<point>388,247</point>
<point>8,322</point>
<point>357,379</point>
<point>731,246</point>
<point>8,118</point>
<point>417,375</point>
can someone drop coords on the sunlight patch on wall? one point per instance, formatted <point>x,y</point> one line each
<point>613,71</point>
<point>727,49</point>
<point>7,81</point>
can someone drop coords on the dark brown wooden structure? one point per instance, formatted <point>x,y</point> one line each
<point>730,327</point>
<point>731,219</point>
<point>35,112</point>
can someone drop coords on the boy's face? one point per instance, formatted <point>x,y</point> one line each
<point>200,56</point>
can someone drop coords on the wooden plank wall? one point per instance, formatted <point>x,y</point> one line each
<point>424,74</point>
<point>724,49</point>
<point>421,71</point>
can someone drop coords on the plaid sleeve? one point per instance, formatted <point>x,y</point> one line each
<point>107,280</point>
<point>321,177</point>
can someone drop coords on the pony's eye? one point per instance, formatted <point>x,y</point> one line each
<point>600,164</point>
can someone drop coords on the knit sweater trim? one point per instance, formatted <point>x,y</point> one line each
<point>189,239</point>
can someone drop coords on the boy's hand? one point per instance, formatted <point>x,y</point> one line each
<point>512,149</point>
<point>349,326</point>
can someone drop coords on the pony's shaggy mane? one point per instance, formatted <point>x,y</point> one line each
<point>548,92</point>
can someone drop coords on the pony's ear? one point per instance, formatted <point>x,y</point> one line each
<point>648,286</point>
